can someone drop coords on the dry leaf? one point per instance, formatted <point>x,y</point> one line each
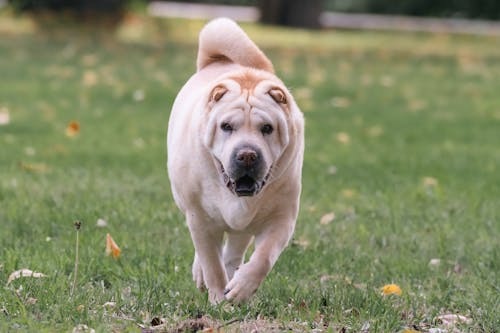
<point>89,78</point>
<point>332,169</point>
<point>138,95</point>
<point>34,167</point>
<point>82,328</point>
<point>340,102</point>
<point>31,301</point>
<point>375,131</point>
<point>343,137</point>
<point>72,129</point>
<point>390,289</point>
<point>30,151</point>
<point>4,116</point>
<point>327,218</point>
<point>101,223</point>
<point>453,319</point>
<point>430,181</point>
<point>348,193</point>
<point>111,247</point>
<point>24,273</point>
<point>387,81</point>
<point>434,262</point>
<point>109,305</point>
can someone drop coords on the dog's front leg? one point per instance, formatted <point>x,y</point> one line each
<point>268,246</point>
<point>208,246</point>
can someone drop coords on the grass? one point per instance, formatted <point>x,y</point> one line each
<point>402,144</point>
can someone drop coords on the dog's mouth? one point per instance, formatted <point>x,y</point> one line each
<point>244,186</point>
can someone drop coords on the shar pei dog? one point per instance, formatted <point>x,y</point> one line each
<point>235,150</point>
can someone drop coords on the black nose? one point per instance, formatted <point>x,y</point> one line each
<point>246,157</point>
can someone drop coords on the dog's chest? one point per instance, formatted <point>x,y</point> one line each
<point>236,213</point>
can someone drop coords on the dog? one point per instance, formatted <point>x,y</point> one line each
<point>235,148</point>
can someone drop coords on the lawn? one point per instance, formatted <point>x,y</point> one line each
<point>401,181</point>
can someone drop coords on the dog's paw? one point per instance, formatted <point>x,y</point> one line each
<point>242,286</point>
<point>198,274</point>
<point>215,297</point>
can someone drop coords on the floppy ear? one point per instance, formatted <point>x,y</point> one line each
<point>278,95</point>
<point>217,93</point>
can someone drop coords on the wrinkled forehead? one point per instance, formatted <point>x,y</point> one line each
<point>251,82</point>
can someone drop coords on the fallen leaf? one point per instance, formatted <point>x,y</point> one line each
<point>73,129</point>
<point>348,193</point>
<point>89,78</point>
<point>387,81</point>
<point>390,289</point>
<point>80,308</point>
<point>101,223</point>
<point>416,105</point>
<point>31,301</point>
<point>327,218</point>
<point>109,305</point>
<point>82,328</point>
<point>34,167</point>
<point>375,131</point>
<point>437,330</point>
<point>453,319</point>
<point>340,102</point>
<point>111,247</point>
<point>138,95</point>
<point>343,137</point>
<point>430,181</point>
<point>139,143</point>
<point>24,273</point>
<point>89,59</point>
<point>409,330</point>
<point>434,262</point>
<point>332,169</point>
<point>4,116</point>
<point>30,151</point>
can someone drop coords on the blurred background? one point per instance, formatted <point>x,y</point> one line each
<point>298,13</point>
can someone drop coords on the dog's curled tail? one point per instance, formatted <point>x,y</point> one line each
<point>222,40</point>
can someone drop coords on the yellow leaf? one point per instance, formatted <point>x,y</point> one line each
<point>390,289</point>
<point>111,248</point>
<point>430,181</point>
<point>343,138</point>
<point>327,218</point>
<point>72,129</point>
<point>89,78</point>
<point>34,167</point>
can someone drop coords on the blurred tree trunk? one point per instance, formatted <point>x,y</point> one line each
<point>293,13</point>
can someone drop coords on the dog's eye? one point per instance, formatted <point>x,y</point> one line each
<point>266,129</point>
<point>226,127</point>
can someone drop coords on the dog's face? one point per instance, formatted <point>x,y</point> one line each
<point>247,130</point>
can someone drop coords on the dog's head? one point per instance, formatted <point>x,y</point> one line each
<point>247,129</point>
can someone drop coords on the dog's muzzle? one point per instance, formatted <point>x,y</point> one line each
<point>244,178</point>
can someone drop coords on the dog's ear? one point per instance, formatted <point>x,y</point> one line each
<point>217,93</point>
<point>278,95</point>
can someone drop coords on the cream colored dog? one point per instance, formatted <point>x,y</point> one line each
<point>235,150</point>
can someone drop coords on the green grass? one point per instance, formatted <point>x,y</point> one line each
<point>402,144</point>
